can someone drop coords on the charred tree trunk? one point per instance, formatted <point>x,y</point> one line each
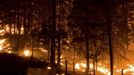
<point>110,46</point>
<point>17,25</point>
<point>52,57</point>
<point>125,8</point>
<point>59,37</point>
<point>95,62</point>
<point>122,72</point>
<point>108,10</point>
<point>18,17</point>
<point>125,13</point>
<point>59,53</point>
<point>29,14</point>
<point>74,63</point>
<point>74,67</point>
<point>87,53</point>
<point>94,67</point>
<point>66,67</point>
<point>85,29</point>
<point>24,16</point>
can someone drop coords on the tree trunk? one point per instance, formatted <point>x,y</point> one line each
<point>18,17</point>
<point>122,72</point>
<point>125,8</point>
<point>66,67</point>
<point>52,57</point>
<point>24,16</point>
<point>95,62</point>
<point>87,53</point>
<point>17,25</point>
<point>74,63</point>
<point>59,53</point>
<point>94,67</point>
<point>73,68</point>
<point>108,10</point>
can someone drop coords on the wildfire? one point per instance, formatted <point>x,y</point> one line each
<point>103,70</point>
<point>82,67</point>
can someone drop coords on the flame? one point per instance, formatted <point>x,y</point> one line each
<point>49,68</point>
<point>27,53</point>
<point>9,51</point>
<point>61,57</point>
<point>12,29</point>
<point>77,66</point>
<point>129,69</point>
<point>22,30</point>
<point>44,50</point>
<point>2,41</point>
<point>82,66</point>
<point>103,70</point>
<point>1,48</point>
<point>61,64</point>
<point>2,32</point>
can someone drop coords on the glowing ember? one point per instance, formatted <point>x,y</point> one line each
<point>61,64</point>
<point>56,62</point>
<point>9,52</point>
<point>49,68</point>
<point>61,57</point>
<point>60,74</point>
<point>22,30</point>
<point>43,50</point>
<point>27,53</point>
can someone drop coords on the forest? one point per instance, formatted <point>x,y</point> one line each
<point>92,37</point>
